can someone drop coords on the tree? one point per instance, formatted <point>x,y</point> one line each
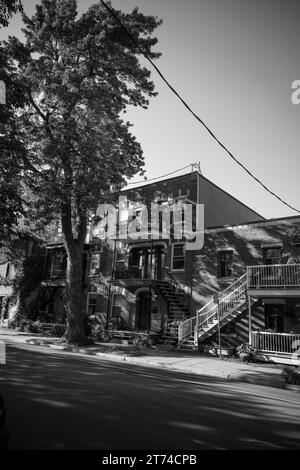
<point>80,75</point>
<point>7,9</point>
<point>12,151</point>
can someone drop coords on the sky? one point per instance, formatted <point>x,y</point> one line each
<point>233,62</point>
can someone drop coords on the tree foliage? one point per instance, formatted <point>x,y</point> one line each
<point>12,151</point>
<point>79,74</point>
<point>7,9</point>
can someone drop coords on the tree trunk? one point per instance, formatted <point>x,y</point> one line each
<point>75,332</point>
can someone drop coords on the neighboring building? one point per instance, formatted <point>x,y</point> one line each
<point>21,271</point>
<point>255,270</point>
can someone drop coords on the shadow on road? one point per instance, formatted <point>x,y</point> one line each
<point>70,402</point>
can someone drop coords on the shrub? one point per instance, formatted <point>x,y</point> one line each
<point>291,375</point>
<point>96,330</point>
<point>142,341</point>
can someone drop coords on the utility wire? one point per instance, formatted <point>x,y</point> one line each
<point>115,16</point>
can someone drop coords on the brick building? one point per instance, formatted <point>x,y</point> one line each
<point>255,270</point>
<point>154,283</point>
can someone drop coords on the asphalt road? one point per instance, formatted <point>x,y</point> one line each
<point>58,400</point>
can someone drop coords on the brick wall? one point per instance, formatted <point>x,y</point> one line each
<point>247,243</point>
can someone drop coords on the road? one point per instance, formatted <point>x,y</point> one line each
<point>59,400</point>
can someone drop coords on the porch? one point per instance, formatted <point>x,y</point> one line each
<point>277,277</point>
<point>277,347</point>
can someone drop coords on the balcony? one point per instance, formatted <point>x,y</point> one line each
<point>135,275</point>
<point>276,343</point>
<point>277,277</point>
<point>135,272</point>
<point>54,278</point>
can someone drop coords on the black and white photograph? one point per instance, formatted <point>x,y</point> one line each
<point>149,230</point>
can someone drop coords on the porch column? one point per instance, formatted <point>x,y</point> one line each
<point>249,317</point>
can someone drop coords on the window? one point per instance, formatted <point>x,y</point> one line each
<point>225,263</point>
<point>9,270</point>
<point>92,305</point>
<point>178,257</point>
<point>59,264</point>
<point>6,270</point>
<point>3,269</point>
<point>95,264</point>
<point>274,317</point>
<point>272,255</point>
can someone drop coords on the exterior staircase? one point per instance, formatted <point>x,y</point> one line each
<point>230,304</point>
<point>178,302</point>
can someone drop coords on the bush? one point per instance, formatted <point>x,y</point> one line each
<point>35,326</point>
<point>142,341</point>
<point>96,330</point>
<point>20,324</point>
<point>245,353</point>
<point>291,375</point>
<point>57,329</point>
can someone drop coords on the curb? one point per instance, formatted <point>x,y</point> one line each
<point>272,382</point>
<point>293,388</point>
<point>277,382</point>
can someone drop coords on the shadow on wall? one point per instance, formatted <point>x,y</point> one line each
<point>246,243</point>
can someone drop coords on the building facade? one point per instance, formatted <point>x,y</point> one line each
<point>147,277</point>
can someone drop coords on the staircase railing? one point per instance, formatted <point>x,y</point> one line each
<point>186,328</point>
<point>168,276</point>
<point>209,312</point>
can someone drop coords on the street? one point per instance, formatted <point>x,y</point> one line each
<point>57,400</point>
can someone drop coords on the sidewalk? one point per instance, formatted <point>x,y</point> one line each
<point>230,369</point>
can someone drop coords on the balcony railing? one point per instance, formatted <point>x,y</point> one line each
<point>135,272</point>
<point>272,276</point>
<point>55,275</point>
<point>275,342</point>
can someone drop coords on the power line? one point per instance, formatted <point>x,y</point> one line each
<point>112,12</point>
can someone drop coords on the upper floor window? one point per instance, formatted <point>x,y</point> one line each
<point>178,256</point>
<point>225,263</point>
<point>58,264</point>
<point>95,264</point>
<point>272,255</point>
<point>6,270</point>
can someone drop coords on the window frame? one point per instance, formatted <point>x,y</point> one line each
<point>98,268</point>
<point>54,272</point>
<point>181,256</point>
<point>220,261</point>
<point>275,247</point>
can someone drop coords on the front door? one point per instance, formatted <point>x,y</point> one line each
<point>274,317</point>
<point>143,311</point>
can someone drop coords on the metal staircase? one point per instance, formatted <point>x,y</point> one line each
<point>178,302</point>
<point>231,303</point>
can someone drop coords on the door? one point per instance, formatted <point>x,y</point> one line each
<point>143,311</point>
<point>274,317</point>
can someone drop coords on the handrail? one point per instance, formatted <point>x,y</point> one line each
<point>273,276</point>
<point>168,276</point>
<point>272,342</point>
<point>234,292</point>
